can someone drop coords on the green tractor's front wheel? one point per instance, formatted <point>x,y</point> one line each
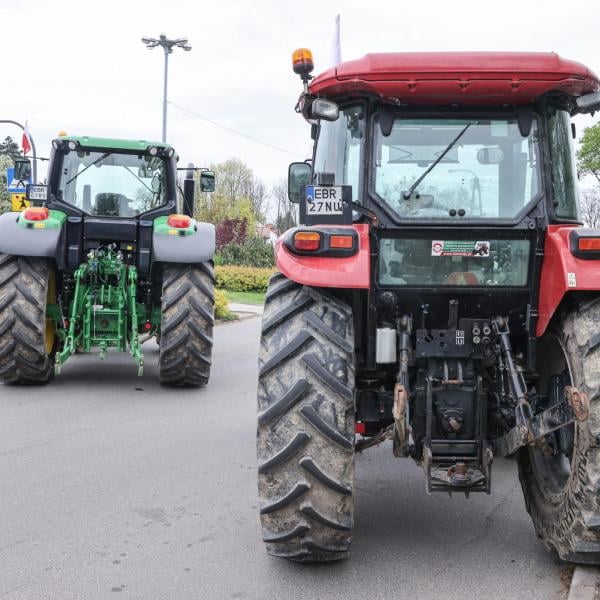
<point>27,335</point>
<point>188,299</point>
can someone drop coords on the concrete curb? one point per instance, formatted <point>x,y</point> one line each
<point>583,583</point>
<point>246,309</point>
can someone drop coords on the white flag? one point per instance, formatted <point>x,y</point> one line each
<point>336,47</point>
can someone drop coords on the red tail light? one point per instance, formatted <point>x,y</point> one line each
<point>307,240</point>
<point>179,221</point>
<point>36,213</point>
<point>360,427</point>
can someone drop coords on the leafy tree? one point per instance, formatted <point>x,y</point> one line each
<point>10,148</point>
<point>238,195</point>
<point>5,162</point>
<point>588,155</point>
<point>230,231</point>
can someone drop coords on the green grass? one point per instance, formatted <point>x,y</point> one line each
<point>246,297</point>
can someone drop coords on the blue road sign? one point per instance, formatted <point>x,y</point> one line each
<point>14,186</point>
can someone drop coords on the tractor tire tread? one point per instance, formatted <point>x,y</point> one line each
<point>306,419</point>
<point>23,298</point>
<point>186,324</point>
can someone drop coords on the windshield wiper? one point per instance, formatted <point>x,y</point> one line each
<point>406,195</point>
<point>140,180</point>
<point>105,155</point>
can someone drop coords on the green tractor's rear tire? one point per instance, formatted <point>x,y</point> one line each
<point>305,438</point>
<point>27,336</point>
<point>186,328</point>
<point>562,488</point>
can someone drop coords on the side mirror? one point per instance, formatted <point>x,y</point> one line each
<point>207,181</point>
<point>22,169</point>
<point>589,102</point>
<point>298,175</point>
<point>493,155</point>
<point>324,109</point>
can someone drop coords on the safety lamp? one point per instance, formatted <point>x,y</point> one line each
<point>36,213</point>
<point>345,242</point>
<point>302,62</point>
<point>589,244</point>
<point>307,241</point>
<point>179,221</point>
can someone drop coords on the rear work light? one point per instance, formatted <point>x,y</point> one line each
<point>179,221</point>
<point>36,213</point>
<point>589,244</point>
<point>307,240</point>
<point>341,241</point>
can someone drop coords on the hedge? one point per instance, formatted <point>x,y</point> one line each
<point>242,279</point>
<point>222,306</point>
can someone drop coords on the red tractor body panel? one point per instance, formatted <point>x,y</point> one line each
<point>562,272</point>
<point>334,272</point>
<point>468,78</point>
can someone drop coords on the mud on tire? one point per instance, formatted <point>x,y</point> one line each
<point>569,520</point>
<point>305,438</point>
<point>24,356</point>
<point>187,324</point>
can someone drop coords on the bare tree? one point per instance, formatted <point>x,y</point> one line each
<point>286,214</point>
<point>257,194</point>
<point>590,207</point>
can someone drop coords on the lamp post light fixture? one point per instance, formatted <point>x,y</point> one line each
<point>167,46</point>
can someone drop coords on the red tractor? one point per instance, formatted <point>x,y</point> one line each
<point>440,292</point>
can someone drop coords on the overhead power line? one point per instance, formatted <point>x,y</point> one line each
<point>231,130</point>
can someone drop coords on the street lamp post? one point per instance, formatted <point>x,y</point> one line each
<point>167,46</point>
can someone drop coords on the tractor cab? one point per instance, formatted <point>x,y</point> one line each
<point>440,292</point>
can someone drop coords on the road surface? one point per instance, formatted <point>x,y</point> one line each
<point>113,487</point>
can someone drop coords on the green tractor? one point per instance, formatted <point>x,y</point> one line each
<point>105,255</point>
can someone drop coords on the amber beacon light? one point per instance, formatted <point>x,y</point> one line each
<point>302,62</point>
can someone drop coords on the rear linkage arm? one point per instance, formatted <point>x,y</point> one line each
<point>530,428</point>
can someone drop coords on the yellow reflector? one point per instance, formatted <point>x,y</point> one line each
<point>341,241</point>
<point>590,244</point>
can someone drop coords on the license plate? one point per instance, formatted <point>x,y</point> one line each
<point>324,200</point>
<point>37,192</point>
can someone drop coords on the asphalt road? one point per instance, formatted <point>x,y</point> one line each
<point>113,487</point>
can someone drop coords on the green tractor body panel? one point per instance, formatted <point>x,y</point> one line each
<point>56,220</point>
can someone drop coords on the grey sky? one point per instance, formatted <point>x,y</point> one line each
<point>80,66</point>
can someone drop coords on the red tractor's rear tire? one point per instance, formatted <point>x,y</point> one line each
<point>26,356</point>
<point>305,438</point>
<point>186,329</point>
<point>562,488</point>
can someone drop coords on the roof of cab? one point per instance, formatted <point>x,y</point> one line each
<point>458,77</point>
<point>112,143</point>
